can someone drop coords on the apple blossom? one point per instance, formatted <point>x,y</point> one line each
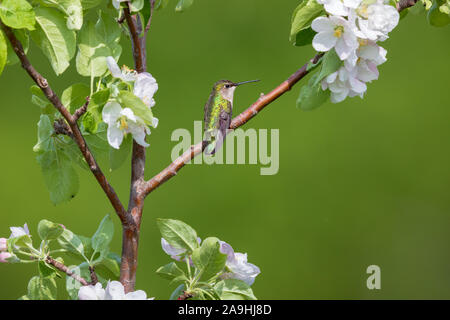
<point>4,256</point>
<point>343,83</point>
<point>339,7</point>
<point>334,32</point>
<point>122,121</point>
<point>114,291</point>
<point>241,269</point>
<point>17,232</point>
<point>124,74</point>
<point>238,266</point>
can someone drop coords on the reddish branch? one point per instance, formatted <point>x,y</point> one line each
<point>58,265</point>
<point>70,119</point>
<point>130,233</point>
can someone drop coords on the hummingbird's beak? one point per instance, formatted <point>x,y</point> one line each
<point>244,82</point>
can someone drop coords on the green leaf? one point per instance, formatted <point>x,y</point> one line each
<point>38,98</point>
<point>208,258</point>
<point>302,18</point>
<point>3,51</point>
<point>60,177</point>
<point>72,285</point>
<point>109,266</point>
<point>117,157</point>
<point>178,234</point>
<point>42,288</point>
<point>48,230</point>
<point>17,14</point>
<point>312,96</point>
<point>45,132</point>
<point>103,236</point>
<point>92,53</point>
<point>71,9</point>
<point>128,100</point>
<point>304,37</point>
<point>93,116</point>
<point>75,96</point>
<point>330,63</point>
<point>183,5</point>
<point>55,40</point>
<point>171,271</point>
<point>233,289</point>
<point>136,5</point>
<point>46,270</point>
<point>71,242</point>
<point>89,4</point>
<point>437,17</point>
<point>108,31</point>
<point>177,292</point>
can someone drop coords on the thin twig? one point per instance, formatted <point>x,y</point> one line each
<point>94,278</point>
<point>71,121</point>
<point>82,110</point>
<point>149,22</point>
<point>58,265</point>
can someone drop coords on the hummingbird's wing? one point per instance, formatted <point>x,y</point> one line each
<point>224,125</point>
<point>208,109</point>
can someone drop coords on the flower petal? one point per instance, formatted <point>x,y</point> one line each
<point>322,24</point>
<point>324,41</point>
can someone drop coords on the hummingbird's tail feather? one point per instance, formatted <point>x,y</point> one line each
<point>210,147</point>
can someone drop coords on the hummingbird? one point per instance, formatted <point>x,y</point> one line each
<point>218,114</point>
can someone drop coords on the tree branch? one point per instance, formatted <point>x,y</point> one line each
<point>130,232</point>
<point>71,121</point>
<point>58,265</point>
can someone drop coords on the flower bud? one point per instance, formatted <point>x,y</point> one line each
<point>4,256</point>
<point>3,244</point>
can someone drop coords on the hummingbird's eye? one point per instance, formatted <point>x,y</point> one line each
<point>227,86</point>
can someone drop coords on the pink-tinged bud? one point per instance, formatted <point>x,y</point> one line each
<point>3,244</point>
<point>4,256</point>
<point>63,226</point>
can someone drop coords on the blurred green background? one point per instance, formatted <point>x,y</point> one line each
<point>361,182</point>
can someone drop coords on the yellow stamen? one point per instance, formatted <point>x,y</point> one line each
<point>362,42</point>
<point>338,31</point>
<point>123,124</point>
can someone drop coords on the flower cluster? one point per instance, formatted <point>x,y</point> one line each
<point>237,266</point>
<point>353,28</point>
<point>114,291</point>
<point>121,120</point>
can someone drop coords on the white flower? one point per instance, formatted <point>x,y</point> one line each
<point>116,3</point>
<point>369,50</point>
<point>121,121</point>
<point>17,232</point>
<point>241,269</point>
<point>92,292</point>
<point>334,32</point>
<point>374,21</point>
<point>238,265</point>
<point>4,256</point>
<point>343,83</point>
<point>339,7</point>
<point>227,249</point>
<point>114,291</point>
<point>124,74</point>
<point>145,88</point>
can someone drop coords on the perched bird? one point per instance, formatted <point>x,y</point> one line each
<point>218,114</point>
